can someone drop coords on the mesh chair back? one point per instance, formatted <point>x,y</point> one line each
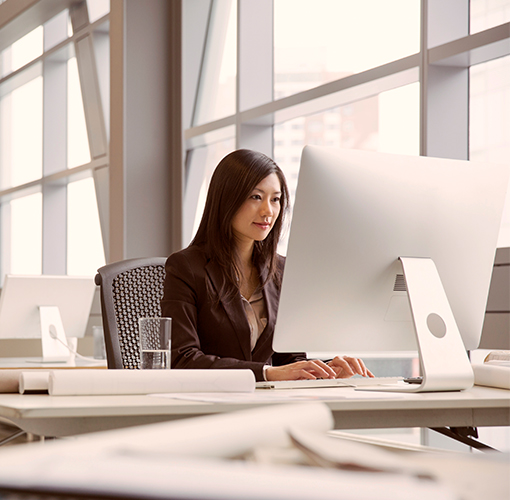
<point>130,289</point>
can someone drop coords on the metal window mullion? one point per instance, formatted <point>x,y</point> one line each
<point>5,240</point>
<point>217,26</point>
<point>254,71</point>
<point>444,89</point>
<point>196,158</point>
<point>423,76</point>
<point>95,118</point>
<point>54,195</point>
<point>91,95</point>
<point>89,81</point>
<point>65,45</point>
<point>5,177</point>
<point>200,71</point>
<point>196,162</point>
<point>101,42</point>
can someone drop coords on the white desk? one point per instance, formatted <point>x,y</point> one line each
<point>61,416</point>
<point>32,363</point>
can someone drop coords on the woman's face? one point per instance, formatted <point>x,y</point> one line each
<point>257,215</point>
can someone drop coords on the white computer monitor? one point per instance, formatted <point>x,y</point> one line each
<point>356,214</point>
<point>53,308</point>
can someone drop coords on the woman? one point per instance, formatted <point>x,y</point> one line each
<point>222,291</point>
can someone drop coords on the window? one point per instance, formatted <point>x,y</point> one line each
<point>355,75</point>
<point>78,151</point>
<point>388,122</point>
<point>21,52</point>
<point>485,14</point>
<point>324,40</point>
<point>217,91</point>
<point>48,206</point>
<point>21,134</point>
<point>489,122</point>
<point>26,235</point>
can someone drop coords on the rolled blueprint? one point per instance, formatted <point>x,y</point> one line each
<point>102,382</point>
<point>9,380</point>
<point>33,381</point>
<point>492,374</point>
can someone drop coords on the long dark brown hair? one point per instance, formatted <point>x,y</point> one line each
<point>232,183</point>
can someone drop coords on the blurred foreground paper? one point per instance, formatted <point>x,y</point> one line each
<point>175,478</point>
<point>183,460</point>
<point>107,382</point>
<point>224,435</point>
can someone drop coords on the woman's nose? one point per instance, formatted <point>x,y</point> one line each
<point>266,208</point>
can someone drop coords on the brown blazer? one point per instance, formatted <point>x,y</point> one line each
<point>211,334</point>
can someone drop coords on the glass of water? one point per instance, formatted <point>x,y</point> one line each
<point>155,340</point>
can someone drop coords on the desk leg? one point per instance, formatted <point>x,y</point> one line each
<point>12,437</point>
<point>465,435</point>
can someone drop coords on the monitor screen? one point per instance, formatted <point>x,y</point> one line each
<point>356,213</point>
<point>22,296</point>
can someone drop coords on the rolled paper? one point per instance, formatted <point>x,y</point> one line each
<point>33,381</point>
<point>492,375</point>
<point>104,382</point>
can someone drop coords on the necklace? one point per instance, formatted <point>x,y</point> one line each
<point>249,285</point>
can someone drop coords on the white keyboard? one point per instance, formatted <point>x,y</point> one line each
<point>337,382</point>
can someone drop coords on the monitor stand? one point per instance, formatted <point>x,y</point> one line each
<point>53,337</point>
<point>444,362</point>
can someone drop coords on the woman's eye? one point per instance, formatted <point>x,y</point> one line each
<point>276,200</point>
<point>256,197</point>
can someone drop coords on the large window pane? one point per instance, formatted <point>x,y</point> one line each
<point>217,88</point>
<point>21,134</point>
<point>388,122</point>
<point>22,51</point>
<point>84,242</point>
<point>97,9</point>
<point>317,41</point>
<point>489,122</point>
<point>26,235</point>
<point>485,14</point>
<point>78,151</point>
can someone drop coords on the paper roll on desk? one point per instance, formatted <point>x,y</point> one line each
<point>110,382</point>
<point>20,380</point>
<point>33,381</point>
<point>492,374</point>
<point>9,380</point>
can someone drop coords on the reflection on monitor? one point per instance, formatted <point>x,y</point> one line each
<point>46,307</point>
<point>372,232</point>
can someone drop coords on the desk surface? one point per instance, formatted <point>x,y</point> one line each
<point>33,363</point>
<point>70,415</point>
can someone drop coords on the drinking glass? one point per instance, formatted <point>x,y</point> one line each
<point>155,341</point>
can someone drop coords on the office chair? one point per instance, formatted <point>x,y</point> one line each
<point>130,289</point>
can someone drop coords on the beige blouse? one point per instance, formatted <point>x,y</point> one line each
<point>256,313</point>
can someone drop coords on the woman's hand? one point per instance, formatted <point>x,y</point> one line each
<point>345,367</point>
<point>301,370</point>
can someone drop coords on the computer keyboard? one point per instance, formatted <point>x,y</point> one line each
<point>337,382</point>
